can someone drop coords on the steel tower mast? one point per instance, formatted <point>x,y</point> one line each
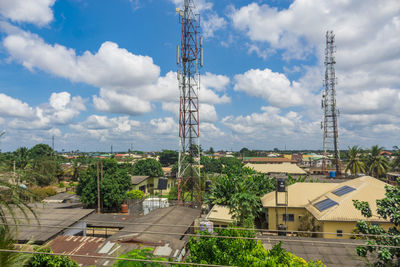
<point>190,59</point>
<point>330,125</point>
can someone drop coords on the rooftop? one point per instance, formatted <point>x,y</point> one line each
<point>276,168</point>
<point>334,201</point>
<point>220,213</point>
<point>53,218</point>
<point>268,160</point>
<point>138,179</point>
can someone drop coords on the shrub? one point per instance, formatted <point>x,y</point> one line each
<point>42,192</point>
<point>61,185</point>
<point>39,260</point>
<point>135,194</point>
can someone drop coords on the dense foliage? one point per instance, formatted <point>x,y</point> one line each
<point>241,190</point>
<point>168,157</point>
<point>354,163</point>
<point>113,187</point>
<point>135,194</point>
<point>149,167</point>
<point>377,164</point>
<point>387,208</point>
<point>240,252</point>
<point>41,260</point>
<point>142,254</point>
<point>211,165</point>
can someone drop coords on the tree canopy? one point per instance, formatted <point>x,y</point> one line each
<point>387,208</point>
<point>240,252</point>
<point>113,187</point>
<point>149,167</point>
<point>168,157</point>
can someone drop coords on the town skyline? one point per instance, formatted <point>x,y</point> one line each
<point>95,73</point>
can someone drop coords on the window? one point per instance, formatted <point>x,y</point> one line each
<point>290,217</point>
<point>339,232</point>
<point>143,188</point>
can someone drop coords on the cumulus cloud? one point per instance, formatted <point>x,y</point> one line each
<point>167,126</point>
<point>272,86</point>
<point>60,110</point>
<point>12,107</point>
<point>38,12</point>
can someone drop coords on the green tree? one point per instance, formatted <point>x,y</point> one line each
<point>168,157</point>
<point>354,163</point>
<point>42,172</point>
<point>40,150</point>
<point>113,187</point>
<point>41,260</point>
<point>211,165</point>
<point>240,252</point>
<point>142,254</point>
<point>149,167</point>
<point>21,157</point>
<point>387,208</point>
<point>377,165</point>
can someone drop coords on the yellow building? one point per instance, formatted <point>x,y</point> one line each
<point>219,215</point>
<point>331,204</point>
<point>149,184</point>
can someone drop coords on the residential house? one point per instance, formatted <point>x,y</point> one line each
<point>148,184</point>
<point>331,204</point>
<point>219,215</point>
<point>275,169</point>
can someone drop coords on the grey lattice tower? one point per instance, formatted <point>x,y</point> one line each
<point>330,123</point>
<point>190,59</point>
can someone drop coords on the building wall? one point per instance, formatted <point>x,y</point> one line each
<point>346,227</point>
<point>146,183</point>
<point>293,226</point>
<point>151,185</point>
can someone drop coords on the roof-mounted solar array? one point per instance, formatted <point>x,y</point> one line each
<point>343,190</point>
<point>325,204</point>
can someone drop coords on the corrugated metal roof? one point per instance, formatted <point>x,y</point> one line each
<point>220,213</point>
<point>276,168</point>
<point>268,160</point>
<point>138,179</point>
<point>79,245</point>
<point>306,195</point>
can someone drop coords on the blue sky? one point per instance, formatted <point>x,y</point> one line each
<point>99,72</point>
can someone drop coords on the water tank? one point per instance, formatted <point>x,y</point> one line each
<point>206,225</point>
<point>281,185</point>
<point>332,174</point>
<point>124,208</point>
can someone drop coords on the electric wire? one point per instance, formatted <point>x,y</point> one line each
<point>124,224</point>
<point>112,258</point>
<point>226,237</point>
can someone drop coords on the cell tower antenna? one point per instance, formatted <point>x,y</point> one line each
<point>190,60</point>
<point>330,123</point>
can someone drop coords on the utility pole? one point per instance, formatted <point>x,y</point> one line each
<point>330,124</point>
<point>189,57</point>
<point>98,188</point>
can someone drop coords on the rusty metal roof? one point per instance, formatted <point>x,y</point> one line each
<point>78,245</point>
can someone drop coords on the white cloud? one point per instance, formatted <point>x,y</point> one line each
<point>217,82</point>
<point>60,110</point>
<point>13,107</point>
<point>32,11</point>
<point>110,67</point>
<point>272,86</point>
<point>167,126</point>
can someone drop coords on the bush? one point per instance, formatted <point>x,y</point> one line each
<point>61,185</point>
<point>39,260</point>
<point>173,193</point>
<point>41,193</point>
<point>135,194</point>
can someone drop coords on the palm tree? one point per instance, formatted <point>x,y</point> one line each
<point>377,165</point>
<point>354,164</point>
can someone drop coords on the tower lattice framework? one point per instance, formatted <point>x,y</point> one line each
<point>189,58</point>
<point>330,123</point>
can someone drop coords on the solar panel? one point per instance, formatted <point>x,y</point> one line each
<point>325,204</point>
<point>343,190</point>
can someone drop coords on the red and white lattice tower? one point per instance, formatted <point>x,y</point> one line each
<point>330,123</point>
<point>190,59</point>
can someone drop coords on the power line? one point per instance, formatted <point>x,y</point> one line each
<point>111,258</point>
<point>226,237</point>
<point>124,224</point>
